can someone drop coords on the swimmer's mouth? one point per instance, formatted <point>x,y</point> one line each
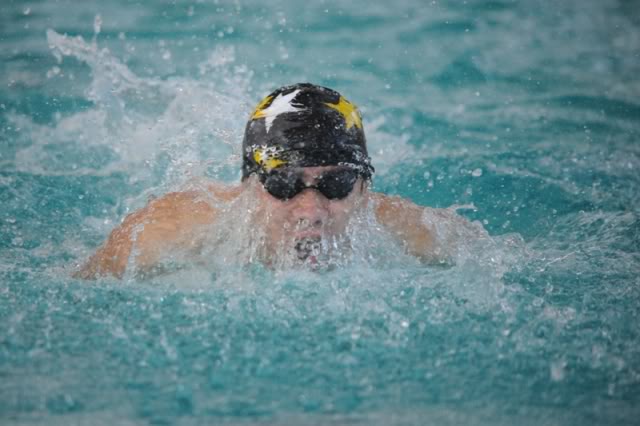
<point>308,248</point>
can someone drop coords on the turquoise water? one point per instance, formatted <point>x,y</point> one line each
<point>526,110</point>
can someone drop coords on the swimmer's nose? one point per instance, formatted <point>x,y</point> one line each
<point>310,209</point>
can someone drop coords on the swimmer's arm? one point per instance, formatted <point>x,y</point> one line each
<point>165,224</point>
<point>404,220</point>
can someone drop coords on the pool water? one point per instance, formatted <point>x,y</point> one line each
<point>526,114</point>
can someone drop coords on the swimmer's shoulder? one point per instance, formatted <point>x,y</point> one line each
<point>223,192</point>
<point>404,219</point>
<point>198,205</point>
<point>393,208</point>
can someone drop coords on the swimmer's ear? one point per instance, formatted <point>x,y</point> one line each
<point>252,182</point>
<point>364,184</point>
<point>249,180</point>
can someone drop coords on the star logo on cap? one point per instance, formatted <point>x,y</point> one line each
<point>280,105</point>
<point>348,111</point>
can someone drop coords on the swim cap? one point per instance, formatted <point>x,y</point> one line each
<point>304,125</point>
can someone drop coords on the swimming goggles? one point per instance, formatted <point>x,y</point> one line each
<point>286,183</point>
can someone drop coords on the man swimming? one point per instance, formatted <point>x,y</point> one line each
<point>306,175</point>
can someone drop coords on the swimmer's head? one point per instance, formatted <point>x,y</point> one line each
<point>307,148</point>
<point>305,125</point>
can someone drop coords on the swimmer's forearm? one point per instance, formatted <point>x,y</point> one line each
<point>164,225</point>
<point>139,236</point>
<point>113,256</point>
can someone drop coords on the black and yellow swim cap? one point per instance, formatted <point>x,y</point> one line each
<point>305,125</point>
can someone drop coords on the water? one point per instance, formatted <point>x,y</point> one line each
<point>526,110</point>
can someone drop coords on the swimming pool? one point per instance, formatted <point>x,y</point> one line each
<point>527,111</point>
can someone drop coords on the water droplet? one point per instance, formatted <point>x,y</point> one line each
<point>97,25</point>
<point>53,72</point>
<point>557,370</point>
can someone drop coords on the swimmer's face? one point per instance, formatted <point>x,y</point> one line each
<point>309,215</point>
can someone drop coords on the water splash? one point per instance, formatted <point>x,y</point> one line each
<point>161,132</point>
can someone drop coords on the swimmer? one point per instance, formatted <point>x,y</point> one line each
<point>307,170</point>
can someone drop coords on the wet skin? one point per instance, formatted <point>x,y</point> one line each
<point>174,222</point>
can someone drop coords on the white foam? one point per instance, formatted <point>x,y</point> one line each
<point>196,125</point>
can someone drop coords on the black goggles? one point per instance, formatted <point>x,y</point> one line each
<point>286,183</point>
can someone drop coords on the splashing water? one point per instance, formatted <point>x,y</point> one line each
<point>533,322</point>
